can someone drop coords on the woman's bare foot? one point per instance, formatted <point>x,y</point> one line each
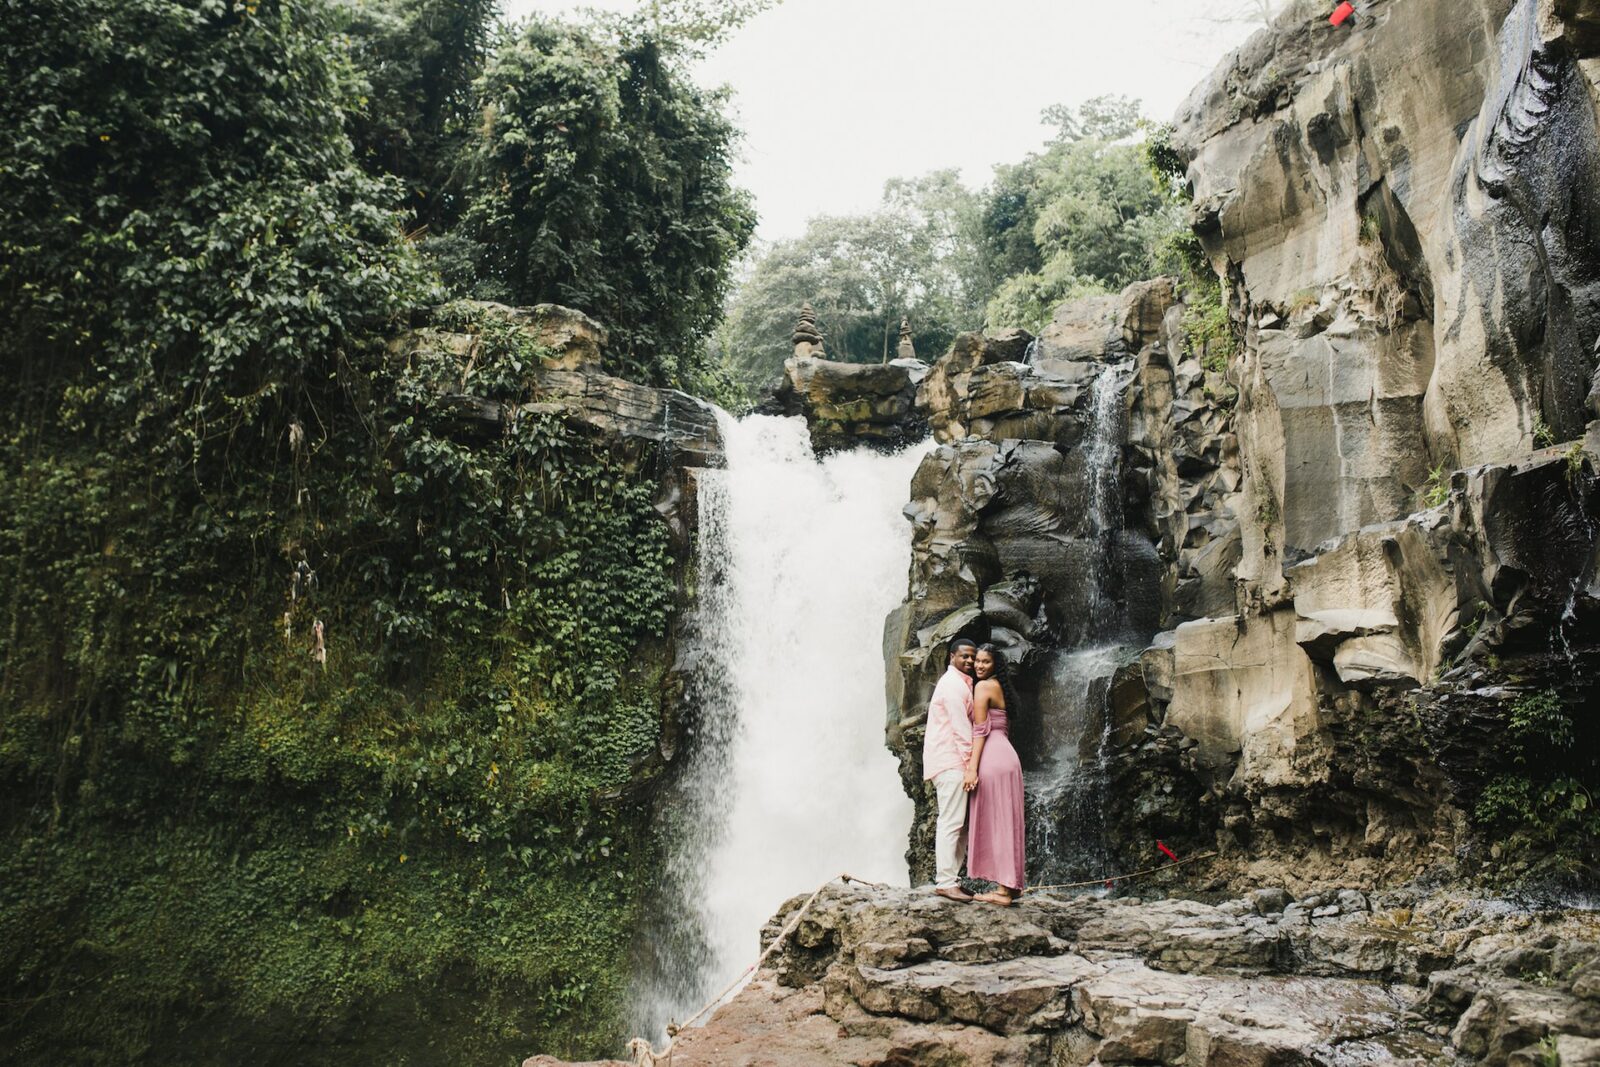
<point>1001,897</point>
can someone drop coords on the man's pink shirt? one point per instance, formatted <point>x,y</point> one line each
<point>948,742</point>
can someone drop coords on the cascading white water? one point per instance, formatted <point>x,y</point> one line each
<point>1102,450</point>
<point>800,562</point>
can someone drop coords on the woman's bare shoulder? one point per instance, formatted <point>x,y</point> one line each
<point>987,685</point>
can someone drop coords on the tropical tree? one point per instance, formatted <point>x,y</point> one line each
<point>417,60</point>
<point>183,226</point>
<point>914,257</point>
<point>602,179</point>
<point>1081,216</point>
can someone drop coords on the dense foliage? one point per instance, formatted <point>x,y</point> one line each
<point>1540,811</point>
<point>912,258</point>
<point>1084,216</point>
<point>601,180</point>
<point>417,109</point>
<point>323,719</point>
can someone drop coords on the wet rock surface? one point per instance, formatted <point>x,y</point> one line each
<point>893,976</point>
<point>1021,532</point>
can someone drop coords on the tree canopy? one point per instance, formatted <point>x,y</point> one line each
<point>862,273</point>
<point>1082,215</point>
<point>602,179</point>
<point>184,221</point>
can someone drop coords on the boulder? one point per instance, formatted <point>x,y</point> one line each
<point>851,404</point>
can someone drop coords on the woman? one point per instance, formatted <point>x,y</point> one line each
<point>995,840</point>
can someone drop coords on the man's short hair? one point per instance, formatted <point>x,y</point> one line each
<point>960,642</point>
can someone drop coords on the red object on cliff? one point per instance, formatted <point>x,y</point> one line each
<point>1340,13</point>
<point>1171,855</point>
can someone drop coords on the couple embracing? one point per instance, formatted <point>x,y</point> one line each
<point>976,776</point>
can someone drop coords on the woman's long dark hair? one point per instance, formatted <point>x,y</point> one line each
<point>1002,674</point>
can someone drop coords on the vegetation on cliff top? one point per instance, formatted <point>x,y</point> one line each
<point>1084,215</point>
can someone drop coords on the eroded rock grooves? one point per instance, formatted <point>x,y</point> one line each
<point>1404,221</point>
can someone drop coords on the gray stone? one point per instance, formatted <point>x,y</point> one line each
<point>1269,901</point>
<point>850,404</point>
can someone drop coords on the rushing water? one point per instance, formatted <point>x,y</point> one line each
<point>790,781</point>
<point>1066,792</point>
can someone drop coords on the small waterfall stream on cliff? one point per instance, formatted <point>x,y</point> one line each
<point>790,781</point>
<point>1066,795</point>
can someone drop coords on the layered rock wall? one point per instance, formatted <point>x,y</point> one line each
<point>1355,545</point>
<point>1404,217</point>
<point>850,404</point>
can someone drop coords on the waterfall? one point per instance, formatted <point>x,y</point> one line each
<point>1066,813</point>
<point>789,781</point>
<point>1102,453</point>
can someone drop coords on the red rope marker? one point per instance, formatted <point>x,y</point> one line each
<point>1165,851</point>
<point>1340,13</point>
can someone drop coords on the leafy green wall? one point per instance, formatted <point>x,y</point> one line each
<point>427,850</point>
<point>213,846</point>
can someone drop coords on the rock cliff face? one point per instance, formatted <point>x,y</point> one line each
<point>1355,550</point>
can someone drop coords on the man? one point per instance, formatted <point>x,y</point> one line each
<point>945,749</point>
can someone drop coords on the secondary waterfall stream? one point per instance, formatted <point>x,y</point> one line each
<point>789,781</point>
<point>1065,795</point>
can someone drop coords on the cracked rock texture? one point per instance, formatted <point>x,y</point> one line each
<point>892,976</point>
<point>850,404</point>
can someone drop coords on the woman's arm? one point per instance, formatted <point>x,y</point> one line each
<point>981,697</point>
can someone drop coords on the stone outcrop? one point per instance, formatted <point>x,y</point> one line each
<point>884,976</point>
<point>986,386</point>
<point>850,404</point>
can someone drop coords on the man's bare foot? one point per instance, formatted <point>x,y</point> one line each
<point>1001,897</point>
<point>954,893</point>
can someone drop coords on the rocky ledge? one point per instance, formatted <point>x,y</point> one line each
<point>896,976</point>
<point>850,404</point>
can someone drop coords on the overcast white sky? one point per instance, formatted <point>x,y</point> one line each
<point>835,96</point>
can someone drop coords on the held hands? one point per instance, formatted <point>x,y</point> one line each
<point>970,781</point>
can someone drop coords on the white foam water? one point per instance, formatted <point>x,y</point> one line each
<point>801,560</point>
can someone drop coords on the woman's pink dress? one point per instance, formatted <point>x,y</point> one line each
<point>995,839</point>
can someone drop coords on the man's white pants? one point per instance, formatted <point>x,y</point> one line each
<point>950,831</point>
